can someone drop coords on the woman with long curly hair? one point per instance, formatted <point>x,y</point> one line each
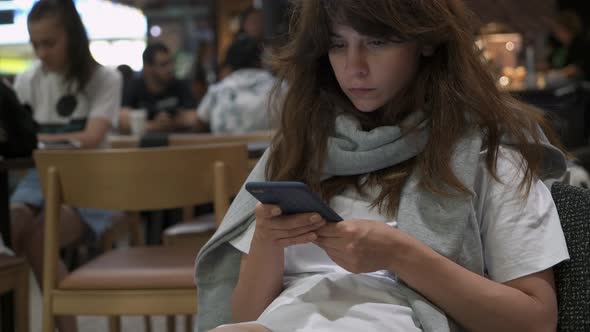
<point>394,120</point>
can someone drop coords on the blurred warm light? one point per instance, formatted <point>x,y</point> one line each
<point>123,22</point>
<point>118,52</point>
<point>479,43</point>
<point>504,81</point>
<point>510,46</point>
<point>520,73</point>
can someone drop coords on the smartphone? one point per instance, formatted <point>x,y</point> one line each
<point>291,197</point>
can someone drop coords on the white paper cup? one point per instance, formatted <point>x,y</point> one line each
<point>138,121</point>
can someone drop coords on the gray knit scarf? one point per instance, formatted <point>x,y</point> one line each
<point>449,225</point>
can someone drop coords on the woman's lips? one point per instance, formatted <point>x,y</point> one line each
<point>360,91</point>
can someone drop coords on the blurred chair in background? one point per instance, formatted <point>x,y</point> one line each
<point>143,280</point>
<point>14,277</point>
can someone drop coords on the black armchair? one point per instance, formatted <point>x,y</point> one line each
<point>572,278</point>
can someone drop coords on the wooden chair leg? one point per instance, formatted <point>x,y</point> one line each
<point>21,300</point>
<point>188,212</point>
<point>135,228</point>
<point>188,323</point>
<point>170,323</point>
<point>108,240</point>
<point>48,319</point>
<point>148,323</point>
<point>114,323</point>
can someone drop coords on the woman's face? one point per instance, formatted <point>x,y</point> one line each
<point>49,41</point>
<point>371,71</point>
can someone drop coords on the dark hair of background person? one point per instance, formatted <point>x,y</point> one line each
<point>452,87</point>
<point>149,54</point>
<point>81,64</point>
<point>570,21</point>
<point>276,20</point>
<point>199,74</point>
<point>244,16</point>
<point>198,81</point>
<point>126,72</point>
<point>243,53</point>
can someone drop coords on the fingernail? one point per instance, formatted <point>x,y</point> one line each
<point>315,217</point>
<point>275,211</point>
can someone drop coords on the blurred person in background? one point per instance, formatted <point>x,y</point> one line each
<point>239,103</point>
<point>73,98</point>
<point>199,83</point>
<point>166,99</point>
<point>251,24</point>
<point>570,57</point>
<point>127,74</point>
<point>251,27</point>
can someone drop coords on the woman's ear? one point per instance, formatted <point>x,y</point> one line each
<point>427,50</point>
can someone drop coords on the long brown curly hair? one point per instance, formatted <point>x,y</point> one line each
<point>453,87</point>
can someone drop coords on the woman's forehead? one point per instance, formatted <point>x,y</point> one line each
<point>45,25</point>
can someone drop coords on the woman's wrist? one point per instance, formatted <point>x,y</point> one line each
<point>265,244</point>
<point>406,252</point>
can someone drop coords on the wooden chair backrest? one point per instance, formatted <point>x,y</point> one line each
<point>146,178</point>
<point>124,142</point>
<point>193,139</point>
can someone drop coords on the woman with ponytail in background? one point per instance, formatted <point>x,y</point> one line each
<point>73,98</point>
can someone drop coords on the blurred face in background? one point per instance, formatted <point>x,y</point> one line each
<point>254,25</point>
<point>563,34</point>
<point>49,40</point>
<point>162,69</point>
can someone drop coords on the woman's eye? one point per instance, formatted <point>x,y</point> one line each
<point>377,42</point>
<point>337,45</point>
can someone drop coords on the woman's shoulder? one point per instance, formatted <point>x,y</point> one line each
<point>104,77</point>
<point>29,81</point>
<point>30,75</point>
<point>507,158</point>
<point>509,170</point>
<point>107,74</point>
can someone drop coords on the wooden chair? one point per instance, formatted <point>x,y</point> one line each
<point>130,141</point>
<point>258,137</point>
<point>154,280</point>
<point>14,276</point>
<point>191,139</point>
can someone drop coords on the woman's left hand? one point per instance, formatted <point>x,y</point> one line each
<point>359,246</point>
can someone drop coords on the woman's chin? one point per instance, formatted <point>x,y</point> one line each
<point>51,68</point>
<point>367,108</point>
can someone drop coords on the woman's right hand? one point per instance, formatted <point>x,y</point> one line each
<point>282,231</point>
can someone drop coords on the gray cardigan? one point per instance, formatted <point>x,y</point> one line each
<point>448,225</point>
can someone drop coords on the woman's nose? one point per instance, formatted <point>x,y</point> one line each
<point>356,62</point>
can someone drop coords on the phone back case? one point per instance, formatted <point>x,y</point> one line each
<point>292,198</point>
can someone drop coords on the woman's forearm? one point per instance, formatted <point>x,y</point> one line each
<point>260,282</point>
<point>85,141</point>
<point>91,137</point>
<point>477,303</point>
